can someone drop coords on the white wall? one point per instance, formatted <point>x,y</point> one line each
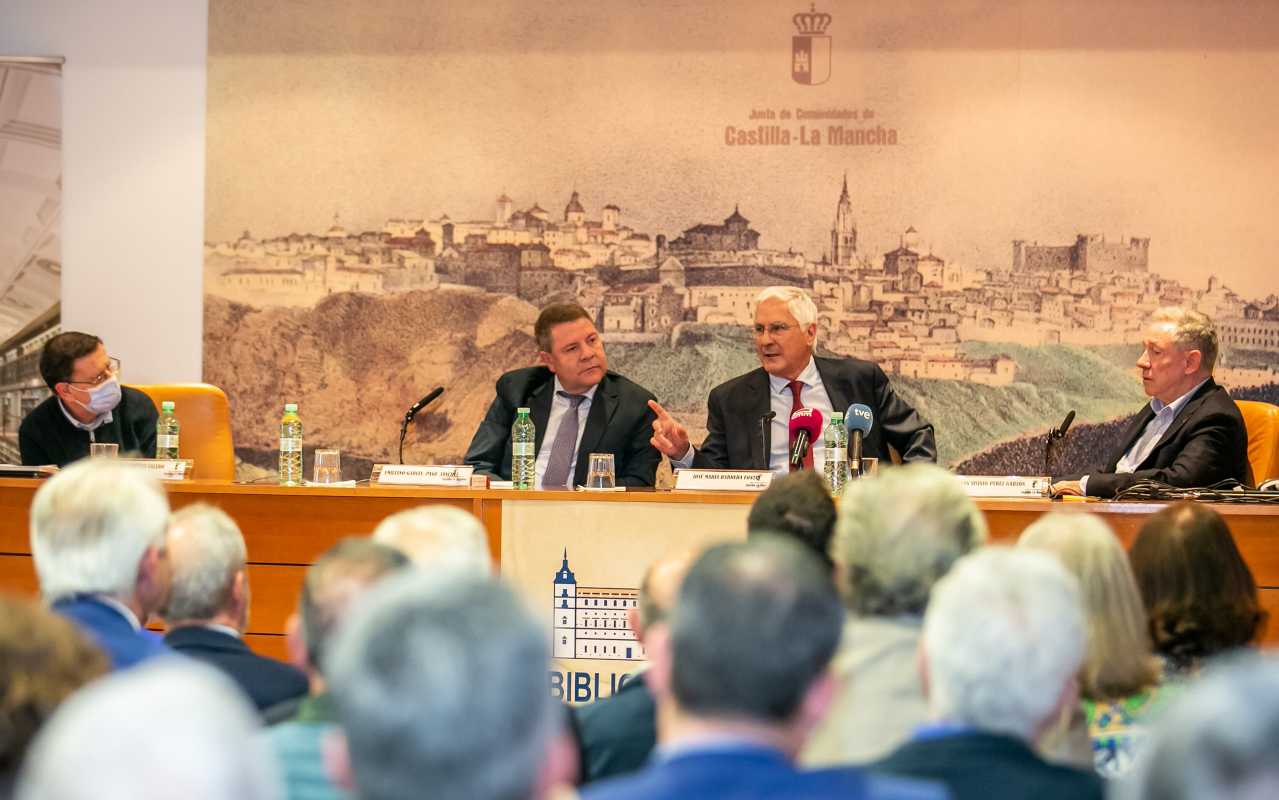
<point>133,110</point>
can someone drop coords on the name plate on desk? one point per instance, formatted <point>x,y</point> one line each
<point>1010,486</point>
<point>730,480</point>
<point>421,475</point>
<point>166,469</point>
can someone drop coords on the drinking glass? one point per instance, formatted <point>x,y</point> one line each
<point>103,450</point>
<point>601,475</point>
<point>328,467</point>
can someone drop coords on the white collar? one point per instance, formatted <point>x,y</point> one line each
<point>101,420</point>
<point>589,394</point>
<point>809,377</point>
<point>1157,405</point>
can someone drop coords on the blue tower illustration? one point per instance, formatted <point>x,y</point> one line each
<point>564,607</point>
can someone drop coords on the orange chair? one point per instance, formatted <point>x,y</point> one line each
<point>205,415</point>
<point>1261,420</point>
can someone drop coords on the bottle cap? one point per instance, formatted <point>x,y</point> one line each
<point>167,405</point>
<point>290,408</point>
<point>521,410</point>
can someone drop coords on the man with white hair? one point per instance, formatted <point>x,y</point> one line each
<point>170,728</point>
<point>99,541</point>
<point>438,537</point>
<point>440,683</point>
<point>208,608</point>
<point>791,377</point>
<point>1191,433</point>
<point>1002,646</point>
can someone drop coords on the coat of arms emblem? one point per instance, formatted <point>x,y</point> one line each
<point>810,47</point>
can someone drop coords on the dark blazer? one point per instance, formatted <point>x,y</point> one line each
<point>619,422</point>
<point>733,439</point>
<point>1206,443</point>
<point>265,680</point>
<point>617,734</point>
<point>983,766</point>
<point>45,436</point>
<point>111,631</point>
<point>753,772</point>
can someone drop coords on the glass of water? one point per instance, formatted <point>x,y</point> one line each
<point>103,450</point>
<point>328,467</point>
<point>601,474</point>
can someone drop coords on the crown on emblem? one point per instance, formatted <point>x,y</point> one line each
<point>811,23</point>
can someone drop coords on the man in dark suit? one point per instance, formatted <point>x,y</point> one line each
<point>791,377</point>
<point>577,406</point>
<point>208,608</point>
<point>739,673</point>
<point>617,734</point>
<point>99,539</point>
<point>1003,641</point>
<point>1191,433</point>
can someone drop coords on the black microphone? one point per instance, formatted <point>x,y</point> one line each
<point>764,423</point>
<point>1054,436</point>
<point>1058,433</point>
<point>858,420</point>
<point>423,403</point>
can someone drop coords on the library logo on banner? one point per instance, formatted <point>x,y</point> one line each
<point>590,622</point>
<point>810,47</point>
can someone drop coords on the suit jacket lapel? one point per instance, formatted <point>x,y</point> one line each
<point>603,406</point>
<point>539,403</point>
<point>1186,413</point>
<point>1131,435</point>
<point>758,404</point>
<point>837,389</point>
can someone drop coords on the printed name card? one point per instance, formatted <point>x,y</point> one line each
<point>732,480</point>
<point>166,469</point>
<point>421,475</point>
<point>1010,486</point>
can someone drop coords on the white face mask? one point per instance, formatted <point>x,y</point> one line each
<point>102,398</point>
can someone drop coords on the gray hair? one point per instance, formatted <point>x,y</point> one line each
<point>1218,740</point>
<point>797,301</point>
<point>1193,330</point>
<point>90,526</point>
<point>756,622</point>
<point>341,574</point>
<point>898,534</point>
<point>1003,636</point>
<point>440,682</point>
<point>141,734</point>
<point>206,552</point>
<point>438,537</point>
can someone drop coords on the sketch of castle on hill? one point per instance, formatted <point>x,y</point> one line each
<point>908,309</point>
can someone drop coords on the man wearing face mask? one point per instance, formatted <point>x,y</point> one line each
<point>88,405</point>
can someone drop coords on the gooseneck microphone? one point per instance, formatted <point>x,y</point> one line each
<point>765,423</point>
<point>1051,441</point>
<point>412,412</point>
<point>805,426</point>
<point>858,420</point>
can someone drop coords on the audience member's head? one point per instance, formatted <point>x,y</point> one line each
<point>1003,641</point>
<point>1219,740</point>
<point>1119,660</point>
<point>338,577</point>
<point>438,537</point>
<point>100,527</point>
<point>748,642</point>
<point>440,683</point>
<point>1200,595</point>
<point>43,659</point>
<point>172,727</point>
<point>898,534</point>
<point>797,505</point>
<point>658,590</point>
<point>208,555</point>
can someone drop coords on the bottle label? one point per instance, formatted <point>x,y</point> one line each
<point>290,444</point>
<point>166,441</point>
<point>520,449</point>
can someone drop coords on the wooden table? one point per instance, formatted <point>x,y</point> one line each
<point>287,528</point>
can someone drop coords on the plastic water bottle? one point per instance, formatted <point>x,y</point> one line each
<point>166,432</point>
<point>523,451</point>
<point>290,447</point>
<point>835,470</point>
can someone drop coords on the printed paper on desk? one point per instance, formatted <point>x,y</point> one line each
<point>166,469</point>
<point>723,480</point>
<point>420,475</point>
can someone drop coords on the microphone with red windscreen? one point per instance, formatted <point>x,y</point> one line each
<point>805,426</point>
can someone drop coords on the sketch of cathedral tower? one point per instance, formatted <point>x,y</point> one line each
<point>843,236</point>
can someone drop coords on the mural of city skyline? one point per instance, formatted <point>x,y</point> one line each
<point>996,281</point>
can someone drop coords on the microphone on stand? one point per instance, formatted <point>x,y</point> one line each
<point>764,423</point>
<point>805,426</point>
<point>1054,437</point>
<point>858,420</point>
<point>412,412</point>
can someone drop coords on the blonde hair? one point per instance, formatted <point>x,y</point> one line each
<point>1120,660</point>
<point>1192,330</point>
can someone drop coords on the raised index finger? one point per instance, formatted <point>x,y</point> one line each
<point>657,408</point>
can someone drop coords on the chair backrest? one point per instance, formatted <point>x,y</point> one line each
<point>1261,420</point>
<point>205,415</point>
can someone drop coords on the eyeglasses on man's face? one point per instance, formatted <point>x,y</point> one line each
<point>773,328</point>
<point>112,370</point>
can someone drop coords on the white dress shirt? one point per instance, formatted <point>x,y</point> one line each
<point>560,406</point>
<point>1155,429</point>
<point>98,421</point>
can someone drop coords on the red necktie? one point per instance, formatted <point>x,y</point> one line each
<point>796,387</point>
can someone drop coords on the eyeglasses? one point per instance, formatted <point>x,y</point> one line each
<point>773,328</point>
<point>112,370</point>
